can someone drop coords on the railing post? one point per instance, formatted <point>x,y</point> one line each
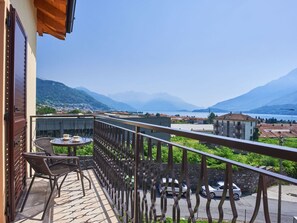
<point>136,159</point>
<point>31,148</point>
<point>279,206</point>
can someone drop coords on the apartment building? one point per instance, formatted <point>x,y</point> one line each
<point>235,125</point>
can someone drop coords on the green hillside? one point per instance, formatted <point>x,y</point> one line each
<point>58,95</point>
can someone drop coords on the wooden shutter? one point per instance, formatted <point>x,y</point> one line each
<point>16,127</point>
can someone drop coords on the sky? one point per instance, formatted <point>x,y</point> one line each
<point>203,51</point>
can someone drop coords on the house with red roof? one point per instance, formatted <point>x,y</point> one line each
<point>235,125</point>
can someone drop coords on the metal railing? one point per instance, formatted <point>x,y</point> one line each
<point>131,165</point>
<point>57,125</point>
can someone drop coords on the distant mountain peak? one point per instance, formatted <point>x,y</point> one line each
<point>153,102</point>
<point>280,91</point>
<point>115,105</point>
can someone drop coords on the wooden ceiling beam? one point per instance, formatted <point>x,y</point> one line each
<point>39,28</point>
<point>51,31</point>
<point>55,17</point>
<point>48,8</point>
<point>51,22</point>
<point>63,2</point>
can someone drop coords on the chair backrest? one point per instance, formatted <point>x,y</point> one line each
<point>44,144</point>
<point>38,163</point>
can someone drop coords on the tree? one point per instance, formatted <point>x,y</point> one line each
<point>75,111</point>
<point>42,110</point>
<point>256,134</point>
<point>211,117</point>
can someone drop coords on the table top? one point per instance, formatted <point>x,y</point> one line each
<point>71,142</point>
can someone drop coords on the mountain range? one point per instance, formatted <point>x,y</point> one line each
<point>278,96</point>
<point>59,95</point>
<point>113,104</point>
<point>153,102</point>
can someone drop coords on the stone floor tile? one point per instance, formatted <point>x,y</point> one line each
<point>71,206</point>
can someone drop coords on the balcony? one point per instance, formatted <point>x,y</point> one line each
<point>238,127</point>
<point>129,161</point>
<point>71,206</point>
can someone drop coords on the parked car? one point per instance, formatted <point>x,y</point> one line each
<point>175,185</point>
<point>217,190</point>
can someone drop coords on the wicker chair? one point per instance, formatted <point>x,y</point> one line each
<point>44,145</point>
<point>42,168</point>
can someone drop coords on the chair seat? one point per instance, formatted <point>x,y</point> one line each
<point>62,168</point>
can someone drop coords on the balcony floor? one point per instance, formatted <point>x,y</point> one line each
<point>71,206</point>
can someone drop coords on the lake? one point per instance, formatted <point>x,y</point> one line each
<point>206,114</point>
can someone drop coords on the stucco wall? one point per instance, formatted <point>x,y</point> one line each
<point>246,128</point>
<point>27,14</point>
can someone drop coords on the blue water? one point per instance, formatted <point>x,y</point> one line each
<point>206,114</point>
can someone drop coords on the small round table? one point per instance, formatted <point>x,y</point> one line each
<point>71,144</point>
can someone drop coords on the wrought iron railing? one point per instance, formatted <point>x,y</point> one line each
<point>131,165</point>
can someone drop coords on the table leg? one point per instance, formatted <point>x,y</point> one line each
<point>74,150</point>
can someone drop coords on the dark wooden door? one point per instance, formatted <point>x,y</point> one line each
<point>16,128</point>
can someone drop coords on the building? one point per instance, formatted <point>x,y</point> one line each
<point>277,130</point>
<point>207,128</point>
<point>19,22</point>
<point>57,126</point>
<point>154,120</point>
<point>235,125</point>
<point>187,119</point>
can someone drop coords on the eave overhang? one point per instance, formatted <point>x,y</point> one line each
<point>55,17</point>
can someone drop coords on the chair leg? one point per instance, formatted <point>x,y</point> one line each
<point>82,182</point>
<point>27,194</point>
<point>51,184</point>
<point>88,181</point>
<point>50,197</point>
<point>59,188</point>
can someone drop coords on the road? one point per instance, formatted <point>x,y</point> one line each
<point>245,207</point>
